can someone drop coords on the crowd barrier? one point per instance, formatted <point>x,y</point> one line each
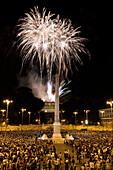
<point>50,126</point>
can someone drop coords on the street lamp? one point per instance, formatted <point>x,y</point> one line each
<point>29,117</point>
<point>23,114</point>
<point>8,102</point>
<point>86,121</point>
<point>75,113</point>
<point>102,116</point>
<point>2,110</point>
<point>62,111</point>
<point>111,103</point>
<point>102,112</point>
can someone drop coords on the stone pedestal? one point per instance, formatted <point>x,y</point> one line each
<point>57,138</point>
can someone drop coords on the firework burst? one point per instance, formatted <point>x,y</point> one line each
<point>48,40</point>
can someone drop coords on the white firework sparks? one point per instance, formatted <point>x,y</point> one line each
<point>63,90</point>
<point>48,40</point>
<point>51,96</point>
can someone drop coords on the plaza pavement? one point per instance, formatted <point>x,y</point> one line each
<point>61,148</point>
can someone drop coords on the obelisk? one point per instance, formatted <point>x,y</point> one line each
<point>57,138</point>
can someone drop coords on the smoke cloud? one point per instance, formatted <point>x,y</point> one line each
<point>33,81</point>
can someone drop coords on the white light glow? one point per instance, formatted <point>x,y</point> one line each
<point>63,44</point>
<point>86,122</point>
<point>45,46</point>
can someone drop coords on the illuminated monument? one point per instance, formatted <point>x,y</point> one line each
<point>56,134</point>
<point>53,107</point>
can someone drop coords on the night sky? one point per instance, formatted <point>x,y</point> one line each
<point>93,81</point>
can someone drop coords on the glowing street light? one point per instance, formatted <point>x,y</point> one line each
<point>75,113</point>
<point>111,104</point>
<point>62,111</point>
<point>22,114</point>
<point>86,121</point>
<point>102,112</point>
<point>2,110</point>
<point>29,116</point>
<point>8,102</point>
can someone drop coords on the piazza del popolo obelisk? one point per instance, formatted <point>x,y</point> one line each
<point>57,138</point>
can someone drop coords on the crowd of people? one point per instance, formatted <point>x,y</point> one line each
<point>21,150</point>
<point>94,150</point>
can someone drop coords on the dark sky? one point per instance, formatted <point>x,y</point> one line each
<point>94,78</point>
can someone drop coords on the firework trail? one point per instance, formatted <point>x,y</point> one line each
<point>64,89</point>
<point>45,39</point>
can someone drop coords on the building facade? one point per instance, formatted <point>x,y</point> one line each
<point>48,112</point>
<point>106,117</point>
<point>49,107</point>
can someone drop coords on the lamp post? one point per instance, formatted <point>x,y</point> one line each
<point>62,111</point>
<point>29,116</point>
<point>75,113</point>
<point>86,121</point>
<point>8,102</point>
<point>23,114</point>
<point>2,110</point>
<point>102,116</point>
<point>102,112</point>
<point>111,103</point>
